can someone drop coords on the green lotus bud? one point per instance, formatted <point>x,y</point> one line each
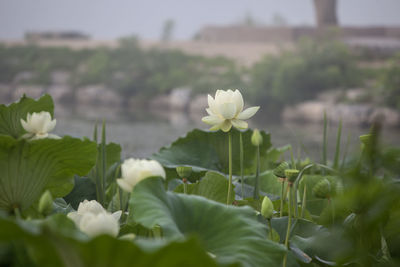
<point>267,208</point>
<point>366,139</point>
<point>46,203</point>
<point>280,170</point>
<point>291,175</point>
<point>184,171</point>
<point>256,138</point>
<point>323,189</point>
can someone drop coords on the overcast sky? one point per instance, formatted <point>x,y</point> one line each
<point>108,19</point>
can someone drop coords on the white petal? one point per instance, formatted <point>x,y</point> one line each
<point>53,136</point>
<point>227,110</point>
<point>50,125</point>
<point>226,126</point>
<point>247,113</point>
<point>238,99</point>
<point>212,120</point>
<point>124,185</point>
<point>215,127</point>
<point>26,126</point>
<point>212,105</point>
<point>117,215</point>
<point>239,124</point>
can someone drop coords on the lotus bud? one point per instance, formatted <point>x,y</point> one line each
<point>267,208</point>
<point>291,175</point>
<point>366,139</point>
<point>46,203</point>
<point>256,138</point>
<point>280,170</point>
<point>322,189</point>
<point>184,171</point>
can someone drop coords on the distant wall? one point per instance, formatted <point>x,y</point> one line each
<point>289,34</point>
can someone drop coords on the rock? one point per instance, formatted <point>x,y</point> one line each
<point>356,114</point>
<point>5,93</point>
<point>33,91</point>
<point>310,111</point>
<point>198,104</point>
<point>97,94</point>
<point>61,93</point>
<point>60,77</point>
<point>179,98</point>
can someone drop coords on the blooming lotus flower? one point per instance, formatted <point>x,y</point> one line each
<point>92,219</point>
<point>227,110</point>
<point>135,170</point>
<point>38,125</point>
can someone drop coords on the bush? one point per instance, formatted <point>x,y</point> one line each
<point>299,75</point>
<point>391,83</point>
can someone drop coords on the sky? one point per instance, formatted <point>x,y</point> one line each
<point>110,19</point>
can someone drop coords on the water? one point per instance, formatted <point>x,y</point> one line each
<point>142,132</point>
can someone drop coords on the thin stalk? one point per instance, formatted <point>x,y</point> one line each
<point>325,142</point>
<point>294,203</point>
<point>333,210</point>
<point>303,202</point>
<point>17,213</point>
<point>241,163</point>
<point>288,226</point>
<point>337,152</point>
<point>185,188</point>
<point>230,167</point>
<point>292,158</point>
<point>256,194</point>
<point>282,200</point>
<point>103,161</point>
<point>270,229</point>
<point>346,148</point>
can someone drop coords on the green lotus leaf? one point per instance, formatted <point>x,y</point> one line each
<point>27,168</point>
<point>56,242</point>
<point>205,151</point>
<point>11,115</point>
<point>232,234</point>
<point>213,186</point>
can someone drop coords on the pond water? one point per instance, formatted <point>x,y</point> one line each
<point>142,132</point>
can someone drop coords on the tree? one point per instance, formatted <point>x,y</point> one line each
<point>325,11</point>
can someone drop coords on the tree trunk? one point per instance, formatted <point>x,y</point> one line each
<point>325,11</point>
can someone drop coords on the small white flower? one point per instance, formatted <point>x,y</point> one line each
<point>38,125</point>
<point>227,110</point>
<point>135,170</point>
<point>92,219</point>
<point>97,224</point>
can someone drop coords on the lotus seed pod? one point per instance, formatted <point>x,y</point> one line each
<point>267,208</point>
<point>256,138</point>
<point>322,189</point>
<point>46,203</point>
<point>280,170</point>
<point>291,175</point>
<point>184,171</point>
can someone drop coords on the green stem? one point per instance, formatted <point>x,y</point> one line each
<point>256,194</point>
<point>333,209</point>
<point>230,167</point>
<point>294,203</point>
<point>288,226</point>
<point>282,200</point>
<point>185,188</point>
<point>270,229</point>
<point>17,213</point>
<point>303,202</point>
<point>241,162</point>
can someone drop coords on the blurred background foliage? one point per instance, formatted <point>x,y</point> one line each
<point>292,76</point>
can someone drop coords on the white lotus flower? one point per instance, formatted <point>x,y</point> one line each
<point>92,219</point>
<point>135,170</point>
<point>227,110</point>
<point>38,125</point>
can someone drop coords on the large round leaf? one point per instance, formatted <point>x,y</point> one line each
<point>56,242</point>
<point>10,116</point>
<point>27,168</point>
<point>209,151</point>
<point>231,233</point>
